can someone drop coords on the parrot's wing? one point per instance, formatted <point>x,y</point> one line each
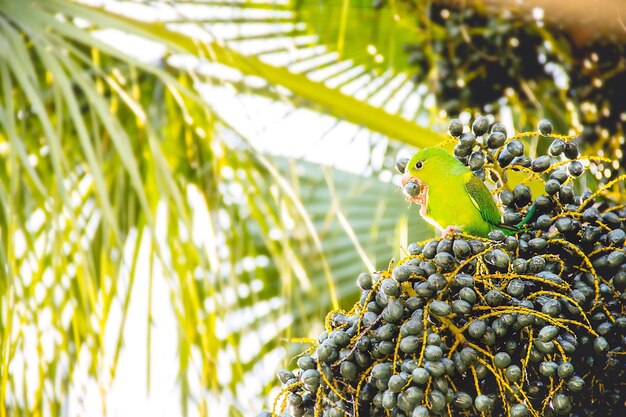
<point>481,199</point>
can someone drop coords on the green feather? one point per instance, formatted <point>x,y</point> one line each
<point>529,215</point>
<point>482,198</point>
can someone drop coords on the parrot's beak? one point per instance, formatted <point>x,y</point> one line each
<point>406,177</point>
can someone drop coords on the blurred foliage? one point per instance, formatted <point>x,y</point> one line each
<point>366,35</point>
<point>112,166</point>
<point>488,59</point>
<point>480,59</point>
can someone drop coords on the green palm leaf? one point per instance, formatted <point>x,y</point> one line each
<point>331,100</point>
<point>112,168</point>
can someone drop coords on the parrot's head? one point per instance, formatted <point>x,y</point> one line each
<point>428,165</point>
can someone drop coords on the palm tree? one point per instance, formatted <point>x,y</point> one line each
<point>138,208</point>
<point>123,186</point>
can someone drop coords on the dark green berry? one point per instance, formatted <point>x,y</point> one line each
<point>455,129</point>
<point>365,281</point>
<point>556,147</point>
<point>565,370</point>
<point>571,150</point>
<point>498,127</point>
<point>575,169</point>
<point>502,360</point>
<point>515,288</point>
<point>513,373</point>
<point>462,400</point>
<point>548,368</point>
<point>482,403</point>
<point>477,329</point>
<point>409,344</point>
<point>390,287</point>
<point>480,125</point>
<point>420,376</point>
<point>522,195</point>
<point>412,189</point>
<point>440,308</point>
<point>575,384</point>
<point>541,163</point>
<point>600,345</point>
<point>515,148</point>
<point>561,404</point>
<point>519,410</point>
<point>552,186</point>
<point>401,164</point>
<point>476,160</point>
<point>547,333</point>
<point>504,158</point>
<point>433,353</point>
<point>496,140</point>
<point>545,127</point>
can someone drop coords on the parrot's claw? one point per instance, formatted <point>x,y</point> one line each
<point>418,199</point>
<point>450,230</point>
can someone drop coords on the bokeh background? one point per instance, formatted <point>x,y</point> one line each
<point>188,186</point>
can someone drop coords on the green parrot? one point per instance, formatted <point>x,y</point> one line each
<point>451,197</point>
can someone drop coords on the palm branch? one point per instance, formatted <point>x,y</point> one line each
<point>117,178</point>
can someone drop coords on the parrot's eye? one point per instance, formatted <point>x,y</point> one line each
<point>418,165</point>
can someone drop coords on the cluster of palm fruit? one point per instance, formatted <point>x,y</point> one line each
<point>596,86</point>
<point>472,58</point>
<point>532,324</point>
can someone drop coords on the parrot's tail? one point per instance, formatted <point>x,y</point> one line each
<point>510,230</point>
<point>526,219</point>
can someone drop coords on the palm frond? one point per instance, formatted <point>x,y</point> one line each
<point>315,91</point>
<point>117,179</point>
